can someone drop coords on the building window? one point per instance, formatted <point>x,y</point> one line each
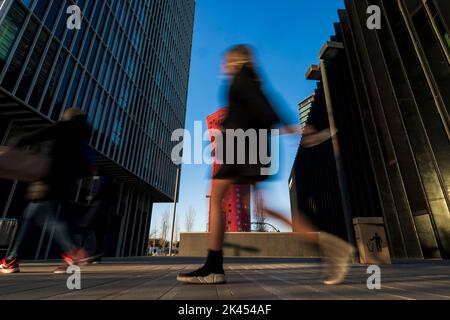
<point>51,91</point>
<point>52,15</point>
<point>117,132</point>
<point>20,56</point>
<point>9,30</point>
<point>75,83</point>
<point>86,47</point>
<point>41,8</point>
<point>63,90</point>
<point>32,65</point>
<point>43,75</point>
<point>27,3</point>
<point>80,37</point>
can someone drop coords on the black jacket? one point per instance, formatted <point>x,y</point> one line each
<point>68,153</point>
<point>248,107</point>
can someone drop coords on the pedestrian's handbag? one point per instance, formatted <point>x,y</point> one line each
<point>37,191</point>
<point>22,165</point>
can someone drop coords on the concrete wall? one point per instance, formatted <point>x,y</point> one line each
<point>250,245</point>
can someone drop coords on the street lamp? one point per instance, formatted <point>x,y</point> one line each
<point>177,186</point>
<point>313,73</point>
<point>329,51</point>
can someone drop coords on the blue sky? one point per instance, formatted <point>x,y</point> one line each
<point>287,35</point>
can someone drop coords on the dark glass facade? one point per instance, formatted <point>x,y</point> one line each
<point>127,68</point>
<point>388,93</point>
<point>313,185</point>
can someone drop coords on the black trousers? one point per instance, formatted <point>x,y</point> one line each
<point>95,221</point>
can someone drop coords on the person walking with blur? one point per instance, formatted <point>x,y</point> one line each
<point>96,219</point>
<point>250,109</point>
<point>69,139</point>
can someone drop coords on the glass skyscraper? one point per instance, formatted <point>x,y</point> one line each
<point>127,67</point>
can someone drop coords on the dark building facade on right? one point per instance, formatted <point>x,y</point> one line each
<point>387,93</point>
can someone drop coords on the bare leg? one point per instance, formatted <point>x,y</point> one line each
<point>217,217</point>
<point>335,252</point>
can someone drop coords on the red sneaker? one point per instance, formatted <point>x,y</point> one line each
<point>9,266</point>
<point>77,256</point>
<point>69,259</point>
<point>81,256</point>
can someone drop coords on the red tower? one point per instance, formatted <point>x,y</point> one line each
<point>235,205</point>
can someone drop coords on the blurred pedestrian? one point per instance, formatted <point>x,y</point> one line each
<point>250,109</point>
<point>96,219</point>
<point>69,139</point>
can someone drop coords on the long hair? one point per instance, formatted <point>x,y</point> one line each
<point>243,55</point>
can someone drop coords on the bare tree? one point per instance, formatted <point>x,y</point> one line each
<point>152,239</point>
<point>259,214</point>
<point>153,233</point>
<point>189,219</point>
<point>164,229</point>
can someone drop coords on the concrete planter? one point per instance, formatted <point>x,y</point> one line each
<point>277,245</point>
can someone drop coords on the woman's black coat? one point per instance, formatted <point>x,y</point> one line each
<point>248,108</point>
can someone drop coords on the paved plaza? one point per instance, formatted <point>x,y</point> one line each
<point>248,279</point>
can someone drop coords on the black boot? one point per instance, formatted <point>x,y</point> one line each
<point>211,273</point>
